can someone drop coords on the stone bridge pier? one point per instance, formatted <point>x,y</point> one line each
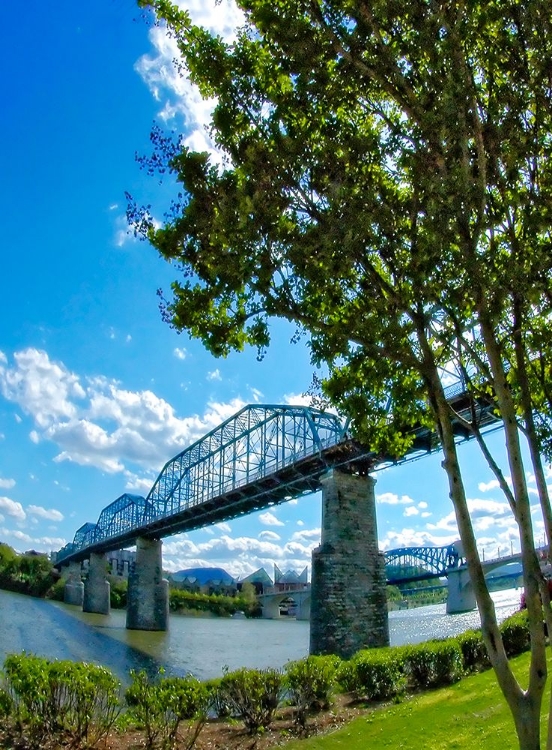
<point>348,602</point>
<point>461,597</point>
<point>148,591</point>
<point>96,588</point>
<point>73,592</point>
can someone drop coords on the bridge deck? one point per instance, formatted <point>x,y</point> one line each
<point>262,456</point>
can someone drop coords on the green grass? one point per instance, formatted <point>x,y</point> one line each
<point>470,714</point>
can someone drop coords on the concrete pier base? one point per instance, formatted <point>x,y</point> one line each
<point>96,589</point>
<point>348,602</point>
<point>73,592</point>
<point>148,592</point>
<point>461,597</point>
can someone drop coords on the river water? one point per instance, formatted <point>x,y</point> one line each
<point>200,645</point>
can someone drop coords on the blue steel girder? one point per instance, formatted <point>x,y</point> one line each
<point>419,563</point>
<point>85,536</point>
<point>254,443</point>
<point>125,513</point>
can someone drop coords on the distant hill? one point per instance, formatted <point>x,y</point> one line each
<point>203,575</point>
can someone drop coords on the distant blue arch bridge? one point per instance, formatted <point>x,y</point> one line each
<point>262,456</point>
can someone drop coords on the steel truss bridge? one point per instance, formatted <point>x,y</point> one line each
<point>409,564</point>
<point>262,456</point>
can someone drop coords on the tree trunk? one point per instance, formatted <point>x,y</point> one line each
<point>532,575</point>
<point>524,705</point>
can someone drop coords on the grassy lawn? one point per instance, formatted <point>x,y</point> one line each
<point>470,714</point>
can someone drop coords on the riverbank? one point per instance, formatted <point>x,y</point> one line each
<point>471,713</point>
<point>461,716</point>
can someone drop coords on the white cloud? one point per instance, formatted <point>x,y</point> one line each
<point>307,536</point>
<point>223,526</point>
<point>95,422</point>
<point>414,538</point>
<point>177,96</point>
<point>422,505</point>
<point>214,375</point>
<point>484,514</point>
<point>390,498</point>
<point>488,486</point>
<point>240,555</point>
<point>51,514</point>
<point>138,485</point>
<point>7,484</point>
<point>180,353</point>
<point>34,437</point>
<point>269,519</point>
<point>25,541</point>
<point>43,389</point>
<point>411,511</point>
<point>19,535</point>
<point>271,536</point>
<point>297,399</point>
<point>12,509</point>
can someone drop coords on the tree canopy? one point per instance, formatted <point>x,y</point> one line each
<point>386,186</point>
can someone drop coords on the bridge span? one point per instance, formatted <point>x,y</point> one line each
<point>262,456</point>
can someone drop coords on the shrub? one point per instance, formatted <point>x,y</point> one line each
<point>515,633</point>
<point>161,707</point>
<point>34,709</point>
<point>118,592</point>
<point>253,695</point>
<point>474,653</point>
<point>374,674</point>
<point>6,704</point>
<point>310,683</point>
<point>61,701</point>
<point>217,703</point>
<point>432,664</point>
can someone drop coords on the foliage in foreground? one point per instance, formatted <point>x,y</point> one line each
<point>168,709</point>
<point>59,702</point>
<point>253,695</point>
<point>65,703</point>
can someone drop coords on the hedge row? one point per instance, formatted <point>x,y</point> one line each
<point>45,703</point>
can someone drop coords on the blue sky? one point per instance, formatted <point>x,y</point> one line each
<point>96,393</point>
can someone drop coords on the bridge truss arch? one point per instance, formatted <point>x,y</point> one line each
<point>420,563</point>
<point>262,455</point>
<point>255,442</point>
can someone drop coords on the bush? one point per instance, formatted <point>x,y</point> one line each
<point>374,674</point>
<point>474,653</point>
<point>217,703</point>
<point>515,633</point>
<point>433,664</point>
<point>310,683</point>
<point>118,592</point>
<point>61,701</point>
<point>6,704</point>
<point>253,695</point>
<point>161,706</point>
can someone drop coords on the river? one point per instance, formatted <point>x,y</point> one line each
<point>200,645</point>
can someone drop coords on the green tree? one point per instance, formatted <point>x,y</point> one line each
<point>387,188</point>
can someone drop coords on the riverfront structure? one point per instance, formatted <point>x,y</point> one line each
<point>262,456</point>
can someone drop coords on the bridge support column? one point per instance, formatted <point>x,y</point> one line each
<point>303,611</point>
<point>96,589</point>
<point>148,592</point>
<point>461,597</point>
<point>74,588</point>
<point>348,601</point>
